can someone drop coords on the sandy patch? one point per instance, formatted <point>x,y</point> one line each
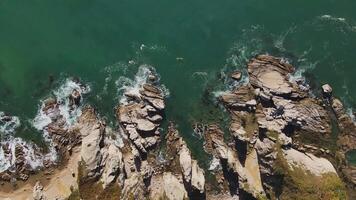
<point>58,184</point>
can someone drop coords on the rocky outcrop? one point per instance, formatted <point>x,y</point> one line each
<point>240,176</point>
<point>141,116</point>
<point>267,114</point>
<point>182,161</point>
<point>270,74</point>
<point>92,131</point>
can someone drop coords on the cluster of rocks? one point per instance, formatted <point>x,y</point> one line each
<point>15,151</point>
<point>266,114</point>
<point>60,135</point>
<point>238,177</point>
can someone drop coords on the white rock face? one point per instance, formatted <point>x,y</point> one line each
<point>91,151</point>
<point>173,188</point>
<point>315,165</point>
<point>198,179</point>
<point>185,161</point>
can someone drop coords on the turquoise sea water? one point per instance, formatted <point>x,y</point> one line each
<point>44,42</point>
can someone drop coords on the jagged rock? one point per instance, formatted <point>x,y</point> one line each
<point>284,140</point>
<point>151,141</point>
<point>74,98</point>
<point>198,179</point>
<point>236,75</point>
<point>270,74</point>
<point>265,149</point>
<point>247,176</point>
<point>134,187</point>
<point>238,132</point>
<point>6,177</point>
<point>38,192</point>
<point>338,107</point>
<point>241,98</point>
<point>155,118</point>
<point>114,165</point>
<point>146,170</point>
<point>305,114</point>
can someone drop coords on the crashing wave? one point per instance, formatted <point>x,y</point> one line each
<point>8,124</point>
<point>65,106</point>
<point>30,155</point>
<point>131,87</point>
<point>10,145</point>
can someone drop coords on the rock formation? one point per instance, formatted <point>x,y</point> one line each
<point>276,136</point>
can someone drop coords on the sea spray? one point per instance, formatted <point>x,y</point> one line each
<point>30,152</point>
<point>8,124</point>
<point>63,109</point>
<point>132,86</point>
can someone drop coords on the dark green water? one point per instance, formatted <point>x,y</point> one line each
<point>42,41</point>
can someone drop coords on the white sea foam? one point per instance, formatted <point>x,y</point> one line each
<point>68,112</point>
<point>32,158</point>
<point>8,124</point>
<point>342,23</point>
<point>215,164</point>
<point>133,86</point>
<point>62,95</point>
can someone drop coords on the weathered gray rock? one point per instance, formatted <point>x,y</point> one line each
<point>38,192</point>
<point>134,187</point>
<point>114,165</point>
<point>92,131</point>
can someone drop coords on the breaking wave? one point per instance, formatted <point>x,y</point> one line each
<point>144,75</point>
<point>10,145</point>
<point>61,95</point>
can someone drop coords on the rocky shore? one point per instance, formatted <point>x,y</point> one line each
<point>280,145</point>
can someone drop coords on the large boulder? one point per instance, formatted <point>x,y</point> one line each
<point>92,131</point>
<point>309,162</point>
<point>270,74</point>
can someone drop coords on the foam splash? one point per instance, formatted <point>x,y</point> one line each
<point>69,113</point>
<point>32,158</point>
<point>8,124</point>
<point>31,155</point>
<point>65,109</point>
<point>133,86</point>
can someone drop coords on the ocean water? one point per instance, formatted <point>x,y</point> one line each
<point>192,45</point>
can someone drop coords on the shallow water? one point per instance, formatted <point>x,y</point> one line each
<point>45,42</point>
